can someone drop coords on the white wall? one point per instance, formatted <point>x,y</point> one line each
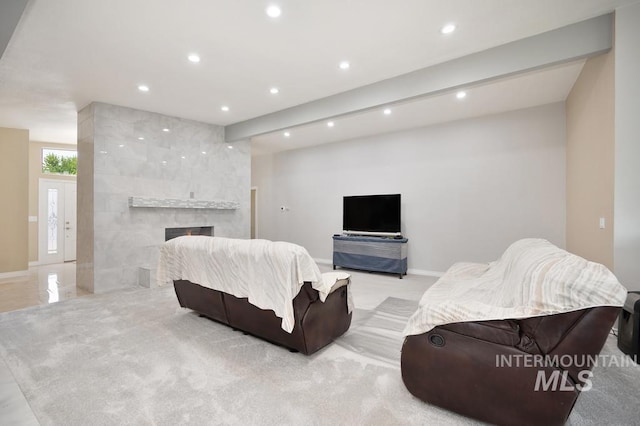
<point>469,188</point>
<point>626,245</point>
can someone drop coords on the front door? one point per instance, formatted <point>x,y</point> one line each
<point>57,221</point>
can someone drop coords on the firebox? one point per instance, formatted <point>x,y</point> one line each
<point>170,233</point>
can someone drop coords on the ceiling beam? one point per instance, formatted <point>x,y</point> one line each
<point>573,42</point>
<point>10,13</point>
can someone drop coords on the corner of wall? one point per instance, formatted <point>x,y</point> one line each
<point>14,168</point>
<point>590,161</point>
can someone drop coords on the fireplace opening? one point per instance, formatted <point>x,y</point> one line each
<point>170,233</point>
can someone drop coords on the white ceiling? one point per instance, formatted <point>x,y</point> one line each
<point>65,54</point>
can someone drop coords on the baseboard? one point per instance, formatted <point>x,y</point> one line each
<point>34,263</point>
<point>424,272</point>
<point>324,261</point>
<point>14,274</point>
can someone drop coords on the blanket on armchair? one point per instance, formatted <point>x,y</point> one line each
<point>270,274</point>
<point>532,278</point>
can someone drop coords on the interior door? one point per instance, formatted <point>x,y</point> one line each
<point>57,211</point>
<point>70,219</point>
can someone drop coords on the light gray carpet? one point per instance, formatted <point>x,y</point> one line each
<point>613,400</point>
<point>135,357</point>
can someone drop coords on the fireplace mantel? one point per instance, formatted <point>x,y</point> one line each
<point>178,203</point>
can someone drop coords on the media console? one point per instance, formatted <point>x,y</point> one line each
<point>375,254</point>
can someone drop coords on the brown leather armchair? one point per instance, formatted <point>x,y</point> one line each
<point>508,372</point>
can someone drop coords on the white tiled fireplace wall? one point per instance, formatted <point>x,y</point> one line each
<point>123,152</point>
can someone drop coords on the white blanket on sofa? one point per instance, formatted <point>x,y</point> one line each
<point>270,274</point>
<point>532,278</point>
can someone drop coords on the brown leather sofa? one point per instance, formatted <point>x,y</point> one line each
<point>316,323</point>
<point>472,368</point>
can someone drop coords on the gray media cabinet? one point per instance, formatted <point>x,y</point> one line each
<point>376,254</point>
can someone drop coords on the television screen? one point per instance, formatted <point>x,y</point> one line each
<point>371,213</point>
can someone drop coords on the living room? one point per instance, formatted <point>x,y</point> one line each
<point>557,165</point>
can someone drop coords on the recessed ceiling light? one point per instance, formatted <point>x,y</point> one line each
<point>224,108</point>
<point>274,90</point>
<point>387,111</point>
<point>193,58</point>
<point>230,146</point>
<point>344,65</point>
<point>183,157</point>
<point>274,11</point>
<point>140,138</point>
<point>287,134</point>
<point>143,88</point>
<point>165,130</point>
<point>121,145</point>
<point>330,124</point>
<point>461,94</point>
<point>164,162</point>
<point>448,29</point>
<point>204,152</point>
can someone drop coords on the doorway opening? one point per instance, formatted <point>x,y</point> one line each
<point>254,212</point>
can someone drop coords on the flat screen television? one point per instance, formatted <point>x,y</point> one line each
<point>371,214</point>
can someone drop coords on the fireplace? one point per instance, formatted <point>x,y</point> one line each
<point>170,233</point>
